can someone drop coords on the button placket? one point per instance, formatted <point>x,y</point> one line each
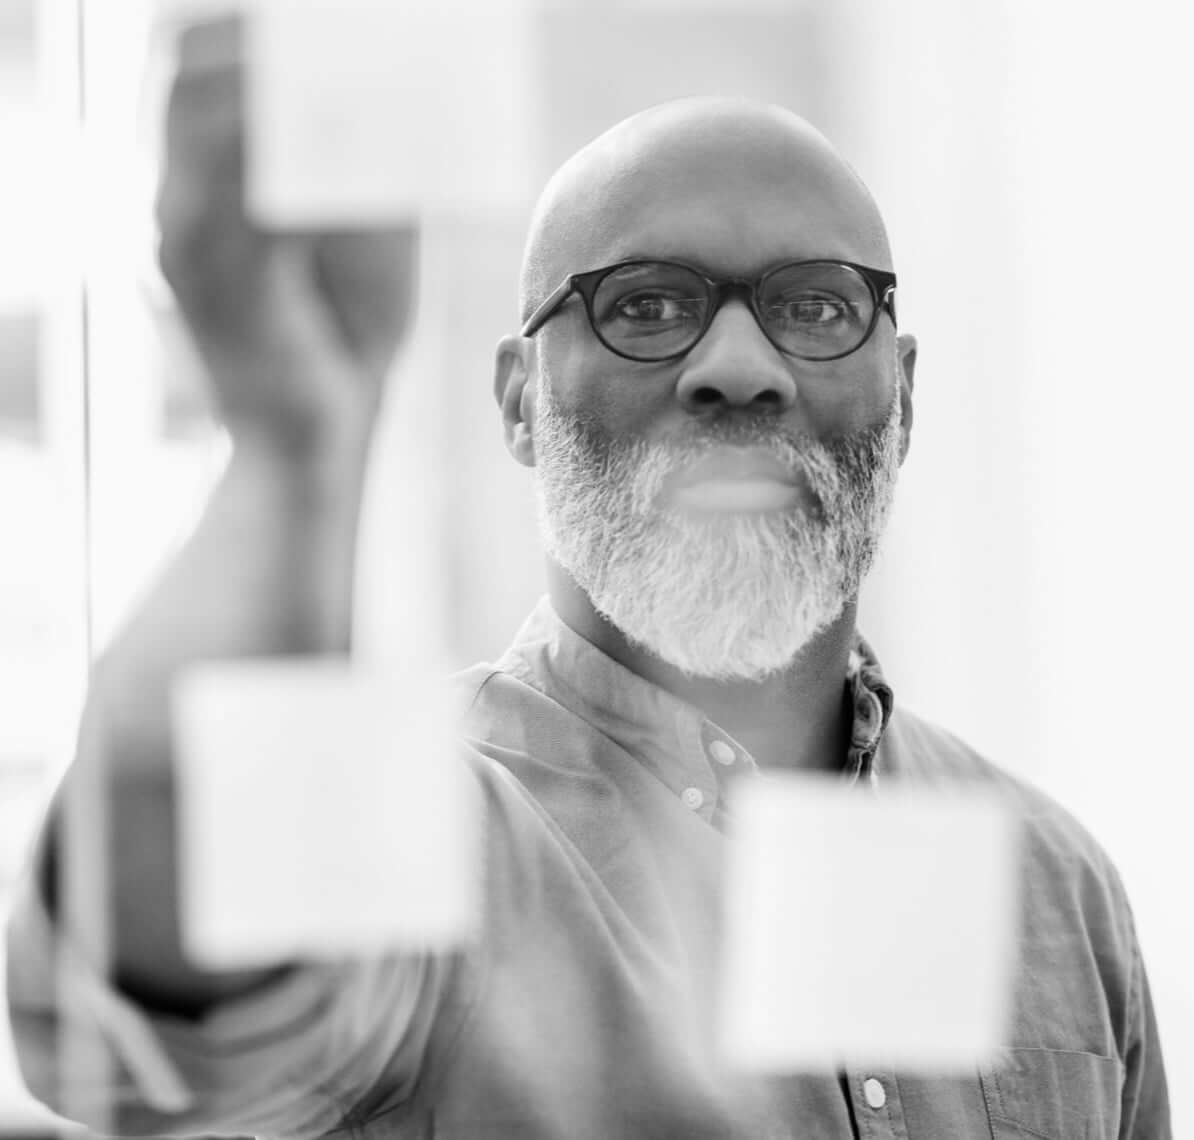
<point>696,784</point>
<point>875,1095</point>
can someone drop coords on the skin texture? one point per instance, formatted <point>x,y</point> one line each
<point>732,187</point>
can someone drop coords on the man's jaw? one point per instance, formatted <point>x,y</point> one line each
<point>713,589</point>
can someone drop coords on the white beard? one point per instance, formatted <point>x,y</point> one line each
<point>726,597</point>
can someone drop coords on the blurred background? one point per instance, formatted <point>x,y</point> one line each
<point>1033,162</point>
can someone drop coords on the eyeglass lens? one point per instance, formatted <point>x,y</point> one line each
<point>653,310</point>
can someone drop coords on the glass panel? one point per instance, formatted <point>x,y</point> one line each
<point>43,610</point>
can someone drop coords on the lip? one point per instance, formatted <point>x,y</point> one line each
<point>729,478</point>
<point>727,464</point>
<point>737,495</point>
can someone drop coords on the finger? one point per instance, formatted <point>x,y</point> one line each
<point>213,45</point>
<point>204,140</point>
<point>208,250</point>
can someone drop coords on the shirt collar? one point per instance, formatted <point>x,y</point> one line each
<point>873,701</point>
<point>659,728</point>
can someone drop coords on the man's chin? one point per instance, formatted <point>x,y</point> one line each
<point>743,667</point>
<point>721,647</point>
<point>732,672</point>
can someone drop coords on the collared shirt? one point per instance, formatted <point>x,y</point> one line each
<point>585,1011</point>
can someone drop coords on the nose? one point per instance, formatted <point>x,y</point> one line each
<point>736,367</point>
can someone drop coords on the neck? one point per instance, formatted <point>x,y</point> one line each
<point>798,718</point>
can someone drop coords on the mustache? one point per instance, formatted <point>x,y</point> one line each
<point>856,455</point>
<point>694,440</point>
<point>697,440</point>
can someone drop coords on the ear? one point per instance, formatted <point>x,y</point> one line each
<point>906,367</point>
<point>515,379</point>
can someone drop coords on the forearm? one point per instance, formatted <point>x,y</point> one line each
<point>267,573</point>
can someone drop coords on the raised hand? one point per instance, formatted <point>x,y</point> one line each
<point>297,330</point>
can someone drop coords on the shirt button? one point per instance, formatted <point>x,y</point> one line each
<point>876,1095</point>
<point>722,752</point>
<point>692,798</point>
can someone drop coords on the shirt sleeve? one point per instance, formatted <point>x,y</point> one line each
<point>328,1045</point>
<point>1144,1112</point>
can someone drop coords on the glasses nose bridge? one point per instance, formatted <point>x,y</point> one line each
<point>724,289</point>
<point>727,287</point>
<point>736,288</point>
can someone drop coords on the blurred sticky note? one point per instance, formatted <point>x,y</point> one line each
<point>866,928</point>
<point>366,112</point>
<point>323,810</point>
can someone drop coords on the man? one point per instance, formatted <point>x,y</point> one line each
<point>711,389</point>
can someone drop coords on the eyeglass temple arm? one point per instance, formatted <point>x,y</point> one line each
<point>550,303</point>
<point>887,301</point>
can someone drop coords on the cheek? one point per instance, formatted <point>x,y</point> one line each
<point>618,395</point>
<point>850,394</point>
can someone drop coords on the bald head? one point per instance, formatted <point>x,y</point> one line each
<point>694,178</point>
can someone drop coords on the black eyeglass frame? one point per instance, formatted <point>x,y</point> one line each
<point>880,282</point>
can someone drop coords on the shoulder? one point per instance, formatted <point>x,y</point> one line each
<point>499,703</point>
<point>1068,875</point>
<point>916,749</point>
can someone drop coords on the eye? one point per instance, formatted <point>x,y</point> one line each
<point>812,312</point>
<point>654,308</point>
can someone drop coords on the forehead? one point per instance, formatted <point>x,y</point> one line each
<point>732,208</point>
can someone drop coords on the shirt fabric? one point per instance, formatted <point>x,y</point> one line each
<point>586,1009</point>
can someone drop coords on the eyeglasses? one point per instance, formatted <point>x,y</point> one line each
<point>659,310</point>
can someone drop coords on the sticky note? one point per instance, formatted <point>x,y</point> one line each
<point>364,112</point>
<point>322,810</point>
<point>866,928</point>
